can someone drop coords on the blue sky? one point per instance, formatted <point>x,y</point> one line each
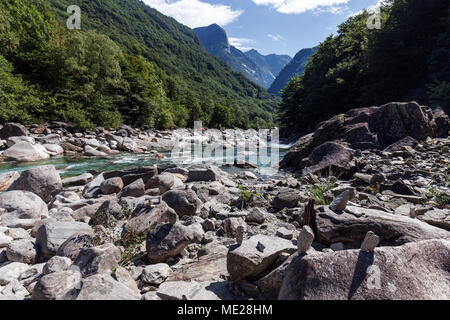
<point>269,26</point>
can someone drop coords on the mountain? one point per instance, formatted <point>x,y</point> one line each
<point>128,64</point>
<point>293,68</point>
<point>215,41</point>
<point>270,65</point>
<point>258,68</point>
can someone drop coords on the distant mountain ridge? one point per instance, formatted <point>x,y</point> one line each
<point>255,66</point>
<point>295,67</point>
<point>270,65</point>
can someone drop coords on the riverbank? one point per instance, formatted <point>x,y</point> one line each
<point>200,231</point>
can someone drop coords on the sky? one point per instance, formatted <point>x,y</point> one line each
<point>269,26</point>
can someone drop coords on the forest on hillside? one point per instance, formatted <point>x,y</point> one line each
<point>407,59</point>
<point>128,64</point>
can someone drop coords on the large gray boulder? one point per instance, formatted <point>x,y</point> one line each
<point>111,185</point>
<point>11,271</point>
<point>7,179</point>
<point>184,202</point>
<point>51,235</point>
<point>22,208</point>
<point>169,240</point>
<point>394,121</point>
<point>63,285</point>
<point>200,173</point>
<point>77,242</point>
<point>148,218</point>
<point>351,227</point>
<point>21,250</point>
<point>286,199</point>
<point>414,271</point>
<point>193,290</point>
<point>25,152</point>
<point>256,256</point>
<point>98,259</point>
<point>80,180</point>
<point>438,217</point>
<point>104,287</point>
<point>162,181</point>
<point>331,156</point>
<point>43,181</point>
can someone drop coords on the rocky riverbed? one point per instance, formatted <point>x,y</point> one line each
<point>361,211</point>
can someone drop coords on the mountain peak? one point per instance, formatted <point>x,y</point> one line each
<point>212,35</point>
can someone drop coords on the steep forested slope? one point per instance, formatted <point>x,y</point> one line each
<point>128,63</point>
<point>407,59</point>
<point>295,67</point>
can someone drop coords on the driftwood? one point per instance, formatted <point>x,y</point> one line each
<point>309,218</point>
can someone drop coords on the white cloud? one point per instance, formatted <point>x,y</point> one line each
<point>275,37</point>
<point>195,13</point>
<point>300,6</point>
<point>241,43</point>
<point>369,9</point>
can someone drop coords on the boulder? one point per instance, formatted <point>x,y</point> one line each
<point>398,145</point>
<point>12,129</point>
<point>92,189</point>
<point>111,185</point>
<point>43,181</point>
<point>256,215</point>
<point>63,285</point>
<point>7,179</point>
<point>270,285</point>
<point>123,276</point>
<point>414,271</point>
<point>155,274</point>
<point>11,271</point>
<point>22,250</point>
<point>91,152</point>
<point>107,214</point>
<point>438,217</point>
<point>331,156</point>
<point>80,180</point>
<point>286,199</point>
<point>163,182</point>
<point>72,247</point>
<point>98,259</point>
<point>24,152</point>
<point>256,256</point>
<point>184,202</point>
<point>56,264</point>
<point>13,291</point>
<point>135,189</point>
<point>193,290</point>
<point>13,140</point>
<point>22,208</point>
<point>148,218</point>
<point>231,225</point>
<point>203,174</point>
<point>51,235</point>
<point>169,240</point>
<point>131,175</point>
<point>53,149</point>
<point>441,123</point>
<point>397,120</point>
<point>351,227</point>
<point>104,287</point>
